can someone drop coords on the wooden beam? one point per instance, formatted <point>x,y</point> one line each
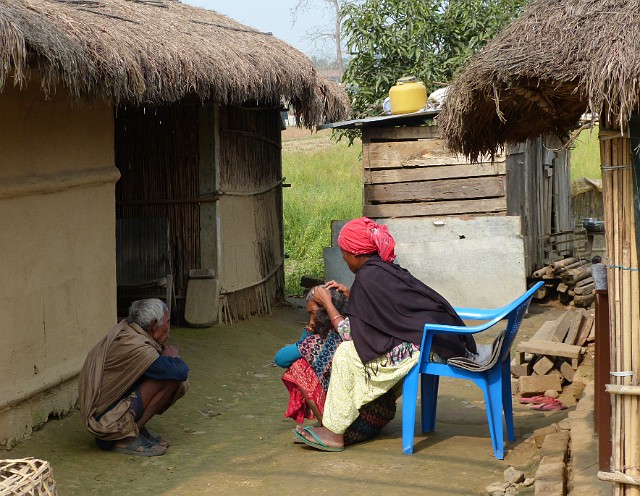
<point>550,348</point>
<point>433,172</point>
<point>437,209</point>
<point>408,153</point>
<point>454,189</point>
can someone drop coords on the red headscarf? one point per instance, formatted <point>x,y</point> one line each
<point>362,236</point>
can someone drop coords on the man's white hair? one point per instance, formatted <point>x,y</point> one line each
<point>144,312</point>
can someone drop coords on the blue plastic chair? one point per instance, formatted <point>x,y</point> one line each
<point>494,377</point>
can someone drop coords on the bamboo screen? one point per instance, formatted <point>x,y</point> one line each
<point>251,217</point>
<point>624,305</point>
<point>156,151</point>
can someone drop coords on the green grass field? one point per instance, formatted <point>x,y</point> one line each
<point>326,185</point>
<point>585,156</point>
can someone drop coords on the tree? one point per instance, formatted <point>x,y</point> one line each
<point>321,32</point>
<point>429,39</point>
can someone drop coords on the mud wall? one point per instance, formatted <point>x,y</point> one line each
<point>57,218</point>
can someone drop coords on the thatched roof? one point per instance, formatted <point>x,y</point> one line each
<point>557,60</point>
<point>157,51</point>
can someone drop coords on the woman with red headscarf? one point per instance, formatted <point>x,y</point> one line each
<point>381,330</point>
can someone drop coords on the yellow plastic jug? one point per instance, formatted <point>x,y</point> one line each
<point>407,95</point>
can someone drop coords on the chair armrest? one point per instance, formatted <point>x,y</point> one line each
<point>478,313</point>
<point>449,329</point>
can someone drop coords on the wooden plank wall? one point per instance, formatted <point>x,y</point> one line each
<point>408,172</point>
<point>539,191</point>
<point>156,151</point>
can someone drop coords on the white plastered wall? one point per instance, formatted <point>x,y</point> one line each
<point>472,262</point>
<point>57,225</point>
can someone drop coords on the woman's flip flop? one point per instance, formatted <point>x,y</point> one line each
<point>549,406</point>
<point>319,444</point>
<point>537,400</point>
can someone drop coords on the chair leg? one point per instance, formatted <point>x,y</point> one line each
<point>493,397</point>
<point>409,405</point>
<point>507,400</point>
<point>429,391</point>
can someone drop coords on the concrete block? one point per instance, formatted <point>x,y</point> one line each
<point>554,487</point>
<point>540,434</point>
<point>549,469</point>
<point>543,365</point>
<point>538,384</point>
<point>433,249</point>
<point>519,370</point>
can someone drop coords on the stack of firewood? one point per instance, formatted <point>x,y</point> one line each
<point>570,278</point>
<point>552,355</point>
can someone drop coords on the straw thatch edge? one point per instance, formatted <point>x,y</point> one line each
<point>556,61</point>
<point>126,51</point>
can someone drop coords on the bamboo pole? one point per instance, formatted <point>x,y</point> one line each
<point>619,478</point>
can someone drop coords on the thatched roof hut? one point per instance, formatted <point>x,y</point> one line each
<point>141,141</point>
<point>558,60</point>
<point>119,50</point>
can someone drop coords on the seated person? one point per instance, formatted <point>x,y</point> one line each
<point>308,363</point>
<point>128,377</point>
<point>381,329</point>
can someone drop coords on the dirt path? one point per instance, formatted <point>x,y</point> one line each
<point>229,435</point>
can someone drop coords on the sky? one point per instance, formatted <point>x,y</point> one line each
<point>275,16</point>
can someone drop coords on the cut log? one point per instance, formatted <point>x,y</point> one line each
<point>550,348</point>
<point>541,294</point>
<point>571,277</point>
<point>584,290</point>
<point>565,298</point>
<point>572,334</point>
<point>560,264</point>
<point>575,265</point>
<point>562,288</point>
<point>584,301</point>
<point>584,282</point>
<point>537,274</point>
<point>585,330</point>
<point>563,327</point>
<point>546,330</point>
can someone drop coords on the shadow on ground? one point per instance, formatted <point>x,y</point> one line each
<point>229,435</point>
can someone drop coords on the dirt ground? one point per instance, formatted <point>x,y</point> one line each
<point>229,435</point>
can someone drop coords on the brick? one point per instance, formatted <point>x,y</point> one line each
<point>519,370</point>
<point>538,384</point>
<point>549,488</point>
<point>567,371</point>
<point>552,470</point>
<point>543,365</point>
<point>540,434</point>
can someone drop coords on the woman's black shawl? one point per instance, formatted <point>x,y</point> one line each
<point>387,306</point>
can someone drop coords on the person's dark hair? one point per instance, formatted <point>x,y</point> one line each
<point>596,260</point>
<point>321,321</point>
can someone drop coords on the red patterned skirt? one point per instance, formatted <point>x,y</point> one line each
<point>301,380</point>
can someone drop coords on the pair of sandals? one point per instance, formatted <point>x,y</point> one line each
<point>145,444</point>
<point>543,403</point>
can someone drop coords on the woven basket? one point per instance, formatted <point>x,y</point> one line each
<point>26,477</point>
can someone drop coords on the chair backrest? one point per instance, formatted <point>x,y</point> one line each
<point>142,250</point>
<point>514,313</point>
